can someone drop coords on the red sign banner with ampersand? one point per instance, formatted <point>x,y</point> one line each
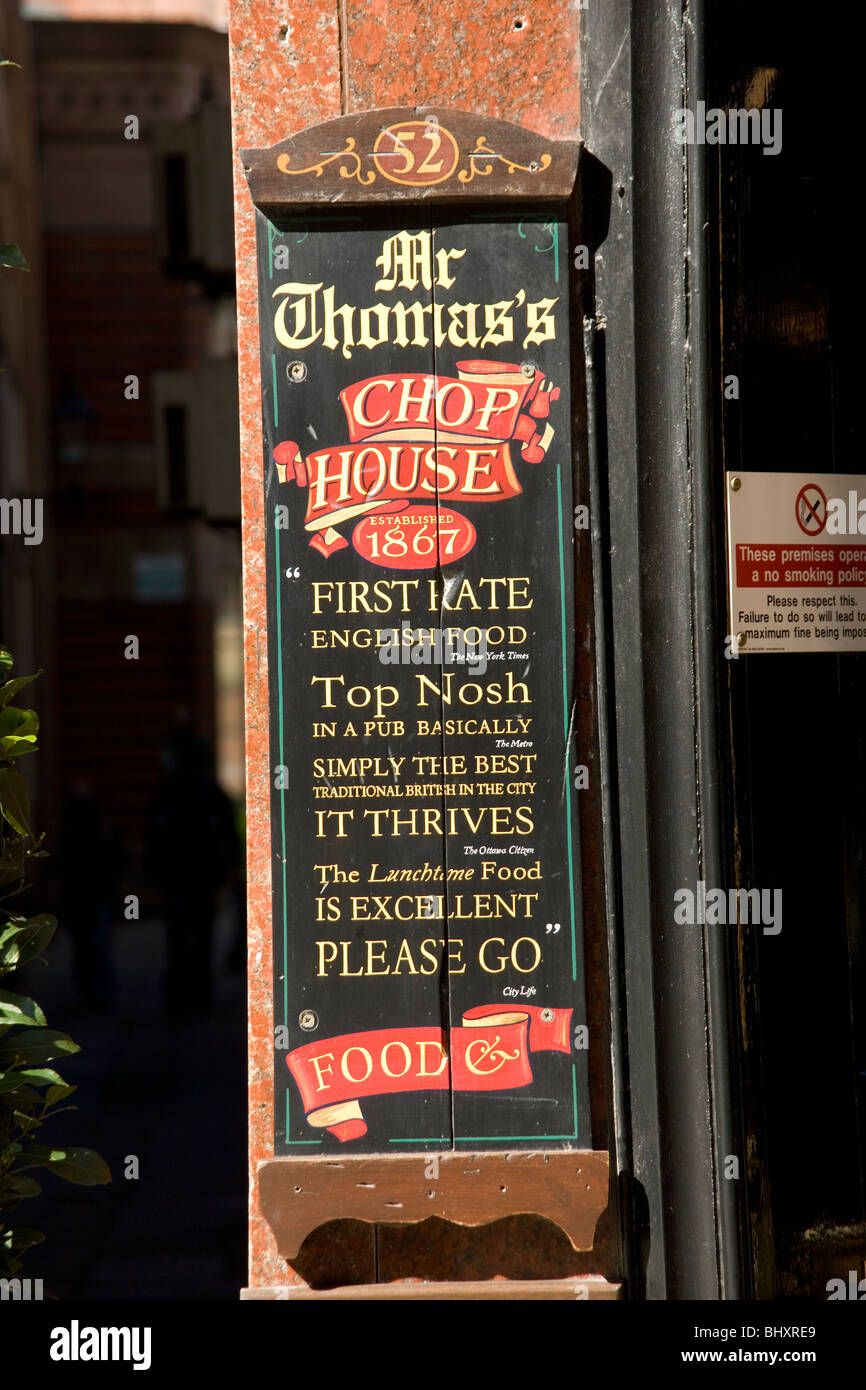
<point>490,1052</point>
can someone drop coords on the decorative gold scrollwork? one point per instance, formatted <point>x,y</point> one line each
<point>483,150</point>
<point>284,160</point>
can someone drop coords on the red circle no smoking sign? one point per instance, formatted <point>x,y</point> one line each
<point>811,509</point>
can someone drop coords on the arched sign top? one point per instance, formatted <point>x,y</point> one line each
<point>428,153</point>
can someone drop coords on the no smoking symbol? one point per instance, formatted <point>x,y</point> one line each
<point>811,509</point>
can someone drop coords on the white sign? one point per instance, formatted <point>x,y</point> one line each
<point>797,562</point>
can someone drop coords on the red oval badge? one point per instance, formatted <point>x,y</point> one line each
<point>408,540</point>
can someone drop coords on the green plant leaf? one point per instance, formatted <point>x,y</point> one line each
<point>25,938</point>
<point>11,688</point>
<point>14,799</point>
<point>10,255</point>
<point>81,1166</point>
<point>24,1103</point>
<point>58,1093</point>
<point>17,1079</point>
<point>13,925</point>
<point>16,1188</point>
<point>12,862</point>
<point>30,1091</point>
<point>12,747</point>
<point>36,1045</point>
<point>26,1237</point>
<point>20,1238</point>
<point>14,1008</point>
<point>21,722</point>
<point>41,929</point>
<point>42,1076</point>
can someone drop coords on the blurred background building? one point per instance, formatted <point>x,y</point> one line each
<point>136,438</point>
<point>118,408</point>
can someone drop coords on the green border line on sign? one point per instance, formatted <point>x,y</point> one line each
<point>485,1139</point>
<point>283,808</point>
<point>565,723</point>
<point>445,1140</point>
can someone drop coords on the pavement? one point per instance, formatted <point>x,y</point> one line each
<point>168,1092</point>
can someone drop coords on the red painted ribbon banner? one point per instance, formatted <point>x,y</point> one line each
<point>416,436</point>
<point>489,1052</point>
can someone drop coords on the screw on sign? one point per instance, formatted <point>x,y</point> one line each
<point>811,509</point>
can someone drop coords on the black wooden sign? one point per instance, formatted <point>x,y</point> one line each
<point>428,977</point>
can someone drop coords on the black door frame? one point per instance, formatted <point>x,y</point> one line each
<point>657,525</point>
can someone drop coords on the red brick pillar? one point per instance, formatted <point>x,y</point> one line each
<point>294,65</point>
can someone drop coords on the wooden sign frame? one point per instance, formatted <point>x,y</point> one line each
<point>382,162</point>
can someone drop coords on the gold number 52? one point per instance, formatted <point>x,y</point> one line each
<point>404,137</point>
